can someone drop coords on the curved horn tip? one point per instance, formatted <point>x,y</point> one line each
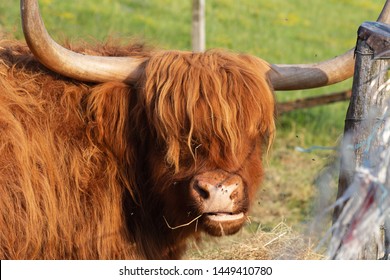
<point>68,63</point>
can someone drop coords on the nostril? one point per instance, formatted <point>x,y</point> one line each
<point>202,191</point>
<point>234,195</point>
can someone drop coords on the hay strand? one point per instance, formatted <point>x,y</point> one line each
<point>184,225</point>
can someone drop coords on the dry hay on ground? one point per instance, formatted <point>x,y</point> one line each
<point>281,243</point>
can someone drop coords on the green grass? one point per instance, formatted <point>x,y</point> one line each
<point>279,31</point>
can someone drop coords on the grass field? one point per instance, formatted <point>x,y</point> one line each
<point>295,31</point>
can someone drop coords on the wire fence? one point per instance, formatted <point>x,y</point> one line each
<point>363,224</point>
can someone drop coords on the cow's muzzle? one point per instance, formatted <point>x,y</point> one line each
<point>221,198</point>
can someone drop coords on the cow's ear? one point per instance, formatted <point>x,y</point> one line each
<point>107,109</point>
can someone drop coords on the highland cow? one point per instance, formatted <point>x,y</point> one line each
<point>118,170</point>
<point>106,170</point>
<point>111,152</point>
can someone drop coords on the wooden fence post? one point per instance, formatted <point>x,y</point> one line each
<point>366,104</point>
<point>198,26</point>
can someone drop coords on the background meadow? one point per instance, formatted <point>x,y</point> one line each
<point>297,184</point>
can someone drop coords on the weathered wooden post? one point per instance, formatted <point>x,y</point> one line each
<point>366,104</point>
<point>198,26</point>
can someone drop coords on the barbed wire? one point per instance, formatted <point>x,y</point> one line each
<point>365,217</point>
<point>366,201</point>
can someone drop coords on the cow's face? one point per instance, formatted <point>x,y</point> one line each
<point>210,116</point>
<point>211,191</point>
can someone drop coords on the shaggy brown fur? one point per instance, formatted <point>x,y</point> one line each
<point>90,171</point>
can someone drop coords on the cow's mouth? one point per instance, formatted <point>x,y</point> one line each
<point>223,223</point>
<point>224,217</point>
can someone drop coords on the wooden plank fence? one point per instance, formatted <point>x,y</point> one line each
<point>309,102</point>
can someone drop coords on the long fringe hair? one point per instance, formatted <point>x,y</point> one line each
<point>198,98</point>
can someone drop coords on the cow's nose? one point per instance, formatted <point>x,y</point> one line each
<point>218,191</point>
<point>202,189</point>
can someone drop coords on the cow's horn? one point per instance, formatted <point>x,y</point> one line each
<point>71,64</point>
<point>303,76</point>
